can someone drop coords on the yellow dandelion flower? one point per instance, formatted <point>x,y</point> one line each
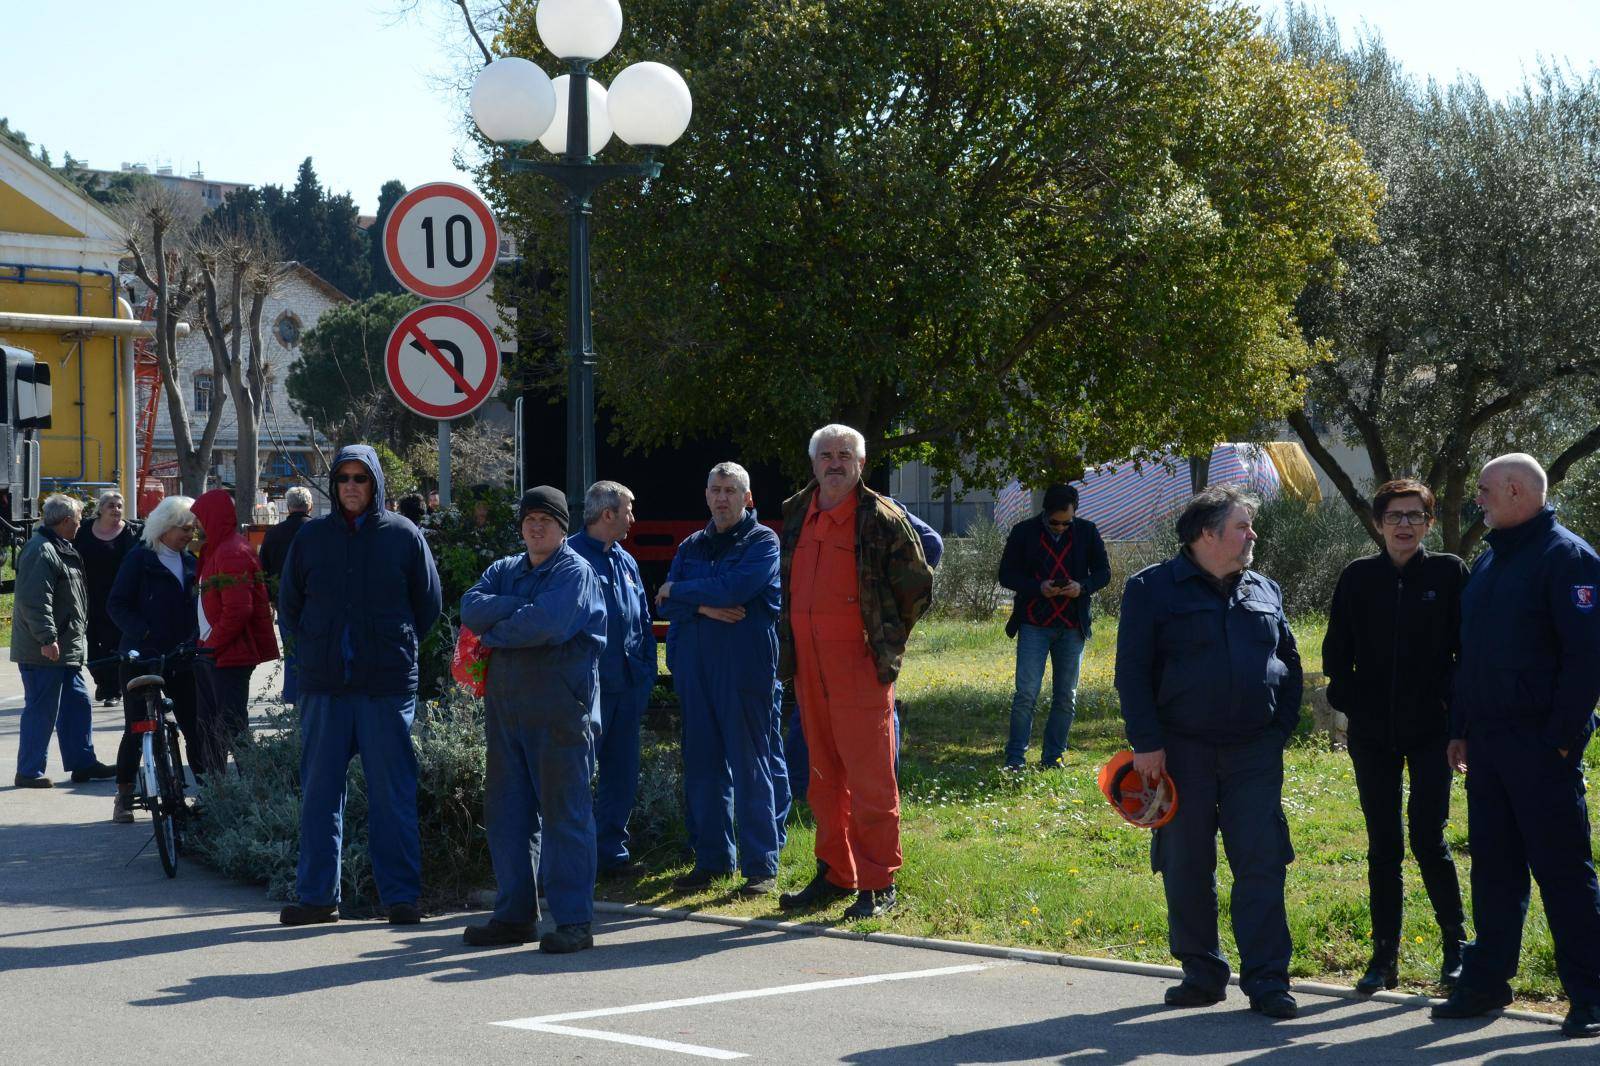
<point>1072,870</point>
<point>1077,921</point>
<point>1419,940</point>
<point>1036,910</point>
<point>1024,921</point>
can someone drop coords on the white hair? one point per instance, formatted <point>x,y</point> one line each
<point>298,498</point>
<point>733,472</point>
<point>835,431</point>
<point>58,508</point>
<point>106,494</point>
<point>171,512</point>
<point>604,496</point>
<point>1522,468</point>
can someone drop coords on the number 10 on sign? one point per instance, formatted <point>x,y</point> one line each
<point>441,241</point>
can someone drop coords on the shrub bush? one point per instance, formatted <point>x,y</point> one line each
<point>966,585</point>
<point>1304,547</point>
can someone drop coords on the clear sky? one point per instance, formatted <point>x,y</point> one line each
<point>247,90</point>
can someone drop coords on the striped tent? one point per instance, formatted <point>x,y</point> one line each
<point>1127,503</point>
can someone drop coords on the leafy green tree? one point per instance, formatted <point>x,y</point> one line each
<point>1006,236</point>
<point>381,278</point>
<point>1470,327</point>
<point>338,383</point>
<point>307,224</point>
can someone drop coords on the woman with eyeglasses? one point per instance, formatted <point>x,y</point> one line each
<point>1393,638</point>
<point>152,603</point>
<point>104,544</point>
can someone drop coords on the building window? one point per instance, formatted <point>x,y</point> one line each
<point>202,393</point>
<point>287,329</point>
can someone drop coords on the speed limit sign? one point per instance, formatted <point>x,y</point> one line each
<point>441,241</point>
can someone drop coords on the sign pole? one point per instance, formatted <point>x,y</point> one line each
<point>444,464</point>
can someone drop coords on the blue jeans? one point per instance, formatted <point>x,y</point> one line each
<point>1063,646</point>
<point>54,700</point>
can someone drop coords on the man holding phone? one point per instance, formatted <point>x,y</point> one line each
<point>1055,563</point>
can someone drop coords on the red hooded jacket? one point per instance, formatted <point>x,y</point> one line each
<point>233,587</point>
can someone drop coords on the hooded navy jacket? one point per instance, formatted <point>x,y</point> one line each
<point>1530,636</point>
<point>355,601</point>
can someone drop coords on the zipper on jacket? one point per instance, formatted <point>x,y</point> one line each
<point>1394,657</point>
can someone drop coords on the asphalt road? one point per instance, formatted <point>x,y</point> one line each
<point>102,957</point>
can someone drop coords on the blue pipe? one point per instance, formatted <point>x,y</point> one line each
<point>83,428</point>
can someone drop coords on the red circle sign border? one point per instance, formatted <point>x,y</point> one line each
<point>474,399</point>
<point>391,238</point>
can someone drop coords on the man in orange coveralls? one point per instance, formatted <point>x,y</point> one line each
<point>854,583</point>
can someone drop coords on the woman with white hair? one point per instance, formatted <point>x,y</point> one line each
<point>153,604</point>
<point>103,544</point>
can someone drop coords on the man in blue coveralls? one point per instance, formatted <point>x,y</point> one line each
<point>358,590</point>
<point>543,614</point>
<point>1522,713</point>
<point>627,669</point>
<point>721,598</point>
<point>1210,683</point>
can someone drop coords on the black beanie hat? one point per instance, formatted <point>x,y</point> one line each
<point>1059,498</point>
<point>549,500</point>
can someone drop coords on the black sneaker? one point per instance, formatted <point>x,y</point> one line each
<point>628,868</point>
<point>870,903</point>
<point>566,939</point>
<point>404,914</point>
<point>1279,1005</point>
<point>1189,994</point>
<point>308,914</point>
<point>759,886</point>
<point>24,781</point>
<point>497,934</point>
<point>697,878</point>
<point>1582,1021</point>
<point>818,892</point>
<point>1464,1003</point>
<point>96,771</point>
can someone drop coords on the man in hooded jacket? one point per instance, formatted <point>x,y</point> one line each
<point>359,590</point>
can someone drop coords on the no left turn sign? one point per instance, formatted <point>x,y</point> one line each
<point>442,361</point>
<point>441,241</point>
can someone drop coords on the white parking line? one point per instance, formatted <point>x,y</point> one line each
<point>549,1023</point>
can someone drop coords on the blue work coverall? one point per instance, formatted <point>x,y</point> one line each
<point>726,678</point>
<point>1525,691</point>
<point>1209,672</point>
<point>354,599</point>
<point>627,674</point>
<point>547,628</point>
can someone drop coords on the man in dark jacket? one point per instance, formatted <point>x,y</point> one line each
<point>1210,683</point>
<point>358,591</point>
<point>1055,563</point>
<point>1523,712</point>
<point>274,552</point>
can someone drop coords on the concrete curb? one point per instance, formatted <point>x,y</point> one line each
<point>1047,958</point>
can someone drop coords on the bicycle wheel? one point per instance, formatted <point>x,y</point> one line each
<point>168,802</point>
<point>180,821</point>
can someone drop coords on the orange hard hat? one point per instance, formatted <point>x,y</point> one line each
<point>1140,804</point>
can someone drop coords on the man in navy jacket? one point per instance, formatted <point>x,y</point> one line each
<point>1522,713</point>
<point>1210,683</point>
<point>1055,562</point>
<point>358,591</point>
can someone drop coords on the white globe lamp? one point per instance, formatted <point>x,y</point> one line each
<point>649,105</point>
<point>512,102</point>
<point>579,29</point>
<point>554,138</point>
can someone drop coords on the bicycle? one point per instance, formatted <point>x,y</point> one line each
<point>159,787</point>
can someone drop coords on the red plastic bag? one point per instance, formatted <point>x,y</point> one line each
<point>470,663</point>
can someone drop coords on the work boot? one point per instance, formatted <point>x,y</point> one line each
<point>759,886</point>
<point>697,879</point>
<point>1189,994</point>
<point>1384,969</point>
<point>566,939</point>
<point>497,934</point>
<point>122,808</point>
<point>870,903</point>
<point>818,891</point>
<point>95,771</point>
<point>1464,1003</point>
<point>404,914</point>
<point>626,868</point>
<point>308,914</point>
<point>1280,1005</point>
<point>24,781</point>
<point>1582,1021</point>
<point>1455,940</point>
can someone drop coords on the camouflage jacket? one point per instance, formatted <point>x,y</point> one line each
<point>896,583</point>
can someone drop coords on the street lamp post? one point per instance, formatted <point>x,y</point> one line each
<point>648,106</point>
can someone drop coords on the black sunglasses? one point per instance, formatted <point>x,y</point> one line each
<point>359,479</point>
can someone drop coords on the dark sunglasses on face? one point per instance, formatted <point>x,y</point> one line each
<point>359,479</point>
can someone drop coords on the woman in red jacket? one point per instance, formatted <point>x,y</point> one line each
<point>235,629</point>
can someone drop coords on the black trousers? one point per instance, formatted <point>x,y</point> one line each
<point>179,688</point>
<point>1379,771</point>
<point>1526,812</point>
<point>223,700</point>
<point>1237,788</point>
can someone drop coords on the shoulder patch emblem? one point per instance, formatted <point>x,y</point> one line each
<point>1583,597</point>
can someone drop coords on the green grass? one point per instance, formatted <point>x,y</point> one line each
<point>1039,860</point>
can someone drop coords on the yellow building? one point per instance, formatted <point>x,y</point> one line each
<point>59,252</point>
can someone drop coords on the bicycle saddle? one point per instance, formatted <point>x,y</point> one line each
<point>145,681</point>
